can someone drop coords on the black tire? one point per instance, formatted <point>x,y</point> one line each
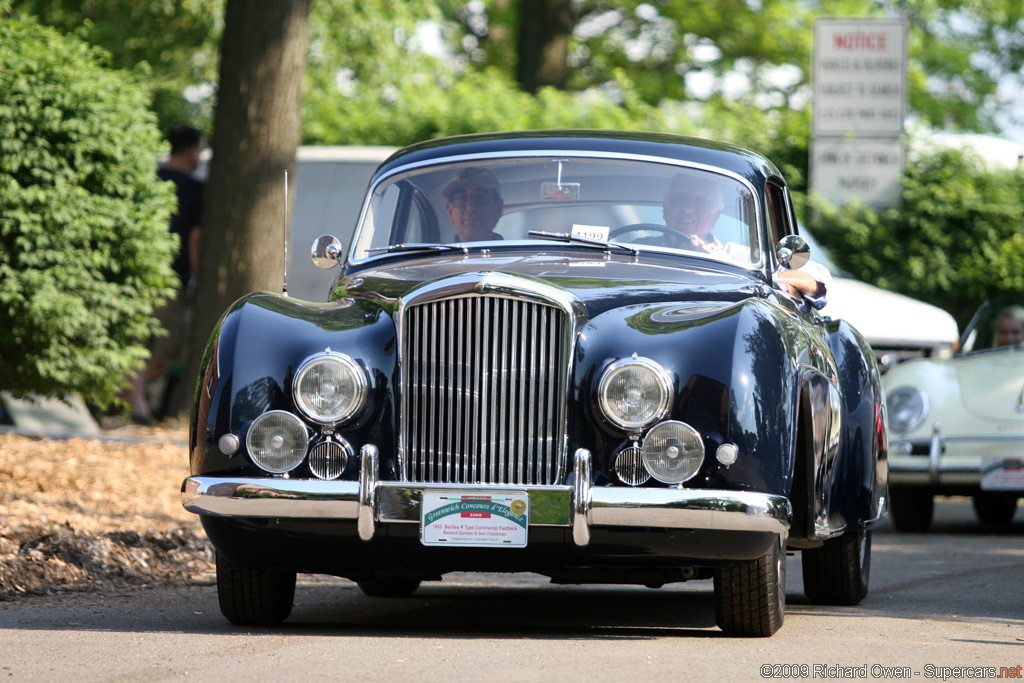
<point>750,596</point>
<point>837,573</point>
<point>254,598</point>
<point>911,508</point>
<point>995,509</point>
<point>388,588</point>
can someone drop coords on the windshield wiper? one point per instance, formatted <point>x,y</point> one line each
<point>579,239</point>
<point>419,246</point>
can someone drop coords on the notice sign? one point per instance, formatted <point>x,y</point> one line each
<point>495,519</point>
<point>860,84</point>
<point>868,170</point>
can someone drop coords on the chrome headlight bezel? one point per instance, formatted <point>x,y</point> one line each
<point>907,408</point>
<point>289,428</point>
<point>305,401</point>
<point>658,378</point>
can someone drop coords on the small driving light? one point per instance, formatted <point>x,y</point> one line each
<point>228,444</point>
<point>727,454</point>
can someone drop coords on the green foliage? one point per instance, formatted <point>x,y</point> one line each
<point>955,242</point>
<point>477,102</point>
<point>760,52</point>
<point>85,251</point>
<point>172,44</point>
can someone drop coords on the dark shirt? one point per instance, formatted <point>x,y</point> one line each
<point>186,218</point>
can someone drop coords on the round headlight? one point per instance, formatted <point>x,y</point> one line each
<point>329,388</point>
<point>634,392</point>
<point>907,408</point>
<point>277,441</point>
<point>673,452</point>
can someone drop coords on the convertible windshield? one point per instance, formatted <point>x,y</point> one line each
<point>998,324</point>
<point>642,204</point>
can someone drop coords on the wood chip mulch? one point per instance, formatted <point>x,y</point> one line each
<point>91,513</point>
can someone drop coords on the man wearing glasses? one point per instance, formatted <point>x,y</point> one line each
<point>474,204</point>
<point>692,206</point>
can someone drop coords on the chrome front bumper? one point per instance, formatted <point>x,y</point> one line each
<point>941,467</point>
<point>370,502</point>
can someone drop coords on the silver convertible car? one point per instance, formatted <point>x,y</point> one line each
<point>561,352</point>
<point>958,423</point>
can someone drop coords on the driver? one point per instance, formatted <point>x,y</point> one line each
<point>692,206</point>
<point>474,204</point>
<point>1009,328</point>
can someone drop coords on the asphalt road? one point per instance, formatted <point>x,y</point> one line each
<point>943,606</point>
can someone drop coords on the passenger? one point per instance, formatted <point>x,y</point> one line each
<point>692,206</point>
<point>1009,327</point>
<point>474,204</point>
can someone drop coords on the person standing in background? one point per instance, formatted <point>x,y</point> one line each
<point>175,316</point>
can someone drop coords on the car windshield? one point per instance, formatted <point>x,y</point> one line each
<point>997,325</point>
<point>501,201</point>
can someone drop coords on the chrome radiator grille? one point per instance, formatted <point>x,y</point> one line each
<point>483,391</point>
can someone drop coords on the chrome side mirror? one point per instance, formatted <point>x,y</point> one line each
<point>326,252</point>
<point>793,251</point>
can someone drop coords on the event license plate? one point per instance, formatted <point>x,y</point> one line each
<point>497,519</point>
<point>1002,474</point>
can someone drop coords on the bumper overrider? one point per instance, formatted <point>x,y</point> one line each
<point>371,502</point>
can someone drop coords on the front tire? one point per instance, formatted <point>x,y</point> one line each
<point>995,510</point>
<point>837,573</point>
<point>254,598</point>
<point>750,596</point>
<point>911,508</point>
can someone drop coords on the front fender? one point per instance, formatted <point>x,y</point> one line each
<point>736,371</point>
<point>252,356</point>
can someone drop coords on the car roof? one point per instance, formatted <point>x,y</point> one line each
<point>743,162</point>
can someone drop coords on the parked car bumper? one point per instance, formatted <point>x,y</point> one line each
<point>952,462</point>
<point>373,503</point>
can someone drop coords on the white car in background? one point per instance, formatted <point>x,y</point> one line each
<point>956,426</point>
<point>898,327</point>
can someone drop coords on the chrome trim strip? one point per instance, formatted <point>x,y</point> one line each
<point>581,497</point>
<point>396,502</point>
<point>367,492</point>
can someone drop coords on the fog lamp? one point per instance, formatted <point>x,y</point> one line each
<point>673,452</point>
<point>277,441</point>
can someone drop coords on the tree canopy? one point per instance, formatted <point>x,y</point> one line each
<point>368,57</point>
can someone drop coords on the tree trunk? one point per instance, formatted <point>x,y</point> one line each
<point>256,132</point>
<point>544,28</point>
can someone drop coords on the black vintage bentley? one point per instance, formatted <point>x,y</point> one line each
<point>560,352</point>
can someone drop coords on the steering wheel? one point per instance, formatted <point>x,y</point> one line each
<point>681,237</point>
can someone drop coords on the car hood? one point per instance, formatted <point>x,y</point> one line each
<point>887,319</point>
<point>992,383</point>
<point>600,281</point>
